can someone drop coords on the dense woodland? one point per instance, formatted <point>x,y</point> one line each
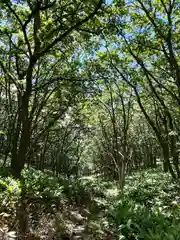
<point>90,119</point>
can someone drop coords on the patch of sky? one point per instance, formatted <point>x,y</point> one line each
<point>108,1</point>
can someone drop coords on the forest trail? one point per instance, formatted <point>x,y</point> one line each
<point>62,220</point>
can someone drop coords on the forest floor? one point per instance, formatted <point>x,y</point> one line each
<point>90,207</point>
<point>56,208</point>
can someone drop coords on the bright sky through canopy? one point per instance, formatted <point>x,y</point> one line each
<point>108,1</point>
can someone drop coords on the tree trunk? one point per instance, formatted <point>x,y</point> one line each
<point>174,154</point>
<point>19,153</point>
<point>166,163</point>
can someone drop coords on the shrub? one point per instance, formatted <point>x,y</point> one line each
<point>9,195</point>
<point>148,208</point>
<point>40,184</point>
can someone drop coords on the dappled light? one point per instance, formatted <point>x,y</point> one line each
<point>89,120</point>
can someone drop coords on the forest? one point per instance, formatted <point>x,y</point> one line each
<point>90,119</point>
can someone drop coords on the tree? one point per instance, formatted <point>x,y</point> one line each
<point>34,32</point>
<point>145,56</point>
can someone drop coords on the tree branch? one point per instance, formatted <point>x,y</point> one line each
<point>74,27</point>
<point>23,28</point>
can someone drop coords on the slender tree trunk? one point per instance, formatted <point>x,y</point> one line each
<point>174,153</point>
<point>43,153</point>
<point>166,156</point>
<point>14,160</point>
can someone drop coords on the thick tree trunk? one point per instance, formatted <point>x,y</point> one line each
<point>21,139</point>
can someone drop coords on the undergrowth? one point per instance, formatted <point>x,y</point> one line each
<point>148,208</point>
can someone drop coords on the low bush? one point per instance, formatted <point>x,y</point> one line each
<point>42,185</point>
<point>9,194</point>
<point>148,208</point>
